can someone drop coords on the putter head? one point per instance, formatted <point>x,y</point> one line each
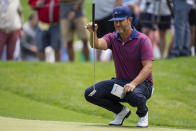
<point>92,93</point>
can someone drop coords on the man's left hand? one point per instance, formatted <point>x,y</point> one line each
<point>20,33</point>
<point>71,15</point>
<point>129,87</point>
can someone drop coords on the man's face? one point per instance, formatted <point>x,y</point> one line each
<point>122,26</point>
<point>34,21</point>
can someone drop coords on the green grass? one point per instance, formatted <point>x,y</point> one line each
<point>18,106</point>
<point>12,124</point>
<point>26,9</point>
<point>34,90</point>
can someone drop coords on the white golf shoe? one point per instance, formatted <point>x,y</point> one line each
<point>119,118</point>
<point>143,121</point>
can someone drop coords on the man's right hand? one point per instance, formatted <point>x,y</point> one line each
<point>34,48</point>
<point>99,43</point>
<point>89,27</point>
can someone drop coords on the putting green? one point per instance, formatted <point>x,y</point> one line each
<point>12,124</point>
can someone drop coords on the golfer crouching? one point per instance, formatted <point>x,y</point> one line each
<point>133,55</point>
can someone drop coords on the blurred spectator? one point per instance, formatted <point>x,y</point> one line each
<point>192,22</point>
<point>73,19</point>
<point>157,14</point>
<point>48,31</point>
<point>182,30</point>
<point>10,26</point>
<point>136,7</point>
<point>103,12</point>
<point>170,46</point>
<point>28,43</point>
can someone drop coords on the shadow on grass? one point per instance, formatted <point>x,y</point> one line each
<point>106,126</point>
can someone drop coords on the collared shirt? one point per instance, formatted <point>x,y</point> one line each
<point>128,55</point>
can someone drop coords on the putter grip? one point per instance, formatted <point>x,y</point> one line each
<point>93,16</point>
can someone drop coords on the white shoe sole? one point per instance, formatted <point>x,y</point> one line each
<point>142,126</point>
<point>122,120</point>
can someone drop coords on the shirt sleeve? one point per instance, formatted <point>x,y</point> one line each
<point>108,39</point>
<point>25,41</point>
<point>146,50</point>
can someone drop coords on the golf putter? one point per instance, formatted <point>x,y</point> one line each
<point>93,24</point>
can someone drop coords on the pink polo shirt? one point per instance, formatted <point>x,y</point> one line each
<point>128,56</point>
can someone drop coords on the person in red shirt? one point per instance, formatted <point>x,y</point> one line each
<point>48,32</point>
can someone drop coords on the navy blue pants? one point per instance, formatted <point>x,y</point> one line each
<point>105,99</point>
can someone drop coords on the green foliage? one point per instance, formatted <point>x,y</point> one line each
<point>34,90</point>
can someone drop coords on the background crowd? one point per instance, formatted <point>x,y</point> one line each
<point>48,35</point>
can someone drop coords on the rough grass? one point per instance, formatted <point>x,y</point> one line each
<point>61,86</point>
